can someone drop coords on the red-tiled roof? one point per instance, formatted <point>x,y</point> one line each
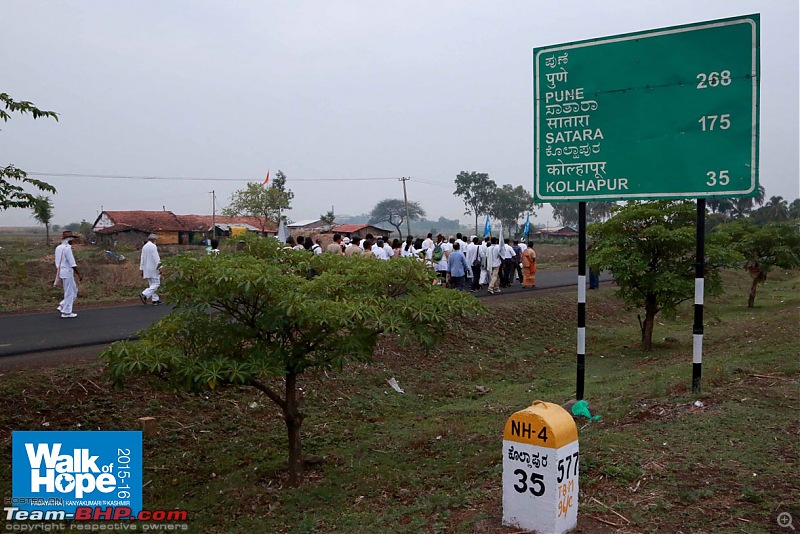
<point>166,221</point>
<point>349,227</point>
<point>148,221</point>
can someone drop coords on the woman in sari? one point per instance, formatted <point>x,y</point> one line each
<point>529,266</point>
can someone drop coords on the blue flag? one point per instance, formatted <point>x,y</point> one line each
<point>487,229</point>
<point>527,227</point>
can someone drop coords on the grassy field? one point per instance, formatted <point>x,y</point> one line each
<point>28,260</point>
<point>430,460</point>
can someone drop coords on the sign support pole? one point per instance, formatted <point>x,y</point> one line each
<point>581,300</point>
<point>699,290</point>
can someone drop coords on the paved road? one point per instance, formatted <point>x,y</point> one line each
<point>41,332</point>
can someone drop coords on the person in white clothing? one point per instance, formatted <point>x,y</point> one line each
<point>486,268</point>
<point>495,260</point>
<point>379,250</point>
<point>461,243</point>
<point>474,262</point>
<point>444,265</point>
<point>387,248</point>
<point>408,250</point>
<point>67,269</point>
<point>507,268</point>
<point>427,244</point>
<point>150,266</point>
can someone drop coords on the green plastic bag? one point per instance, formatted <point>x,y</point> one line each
<point>582,408</point>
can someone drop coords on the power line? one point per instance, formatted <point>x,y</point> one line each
<point>195,178</point>
<point>431,183</point>
<point>209,179</point>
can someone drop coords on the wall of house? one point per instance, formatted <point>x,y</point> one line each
<point>103,222</point>
<point>135,239</point>
<point>130,238</point>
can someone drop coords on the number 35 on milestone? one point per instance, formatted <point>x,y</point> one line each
<point>540,469</point>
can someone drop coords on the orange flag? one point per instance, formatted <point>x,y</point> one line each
<point>266,179</point>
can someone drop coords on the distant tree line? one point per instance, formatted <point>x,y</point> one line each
<point>756,208</point>
<point>483,197</point>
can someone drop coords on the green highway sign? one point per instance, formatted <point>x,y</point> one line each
<point>658,114</point>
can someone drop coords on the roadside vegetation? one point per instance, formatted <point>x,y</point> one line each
<point>279,314</point>
<point>429,460</point>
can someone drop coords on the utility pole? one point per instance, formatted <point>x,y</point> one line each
<point>405,199</point>
<point>213,214</point>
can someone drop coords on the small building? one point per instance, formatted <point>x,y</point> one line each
<point>132,227</point>
<point>360,230</point>
<point>556,232</point>
<point>310,225</point>
<point>227,226</point>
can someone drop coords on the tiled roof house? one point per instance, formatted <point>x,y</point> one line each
<point>133,227</point>
<point>360,230</point>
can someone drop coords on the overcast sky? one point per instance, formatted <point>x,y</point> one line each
<point>321,90</point>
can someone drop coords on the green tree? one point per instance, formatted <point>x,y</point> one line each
<point>393,211</point>
<point>763,248</point>
<point>477,191</point>
<point>43,213</point>
<point>84,228</point>
<point>509,204</point>
<point>256,200</point>
<point>279,313</point>
<point>13,195</point>
<point>794,209</point>
<point>650,247</point>
<point>279,183</point>
<point>776,210</point>
<point>720,205</point>
<point>566,213</point>
<point>329,218</point>
<point>744,205</point>
<point>600,211</point>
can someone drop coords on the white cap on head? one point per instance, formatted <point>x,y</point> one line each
<point>152,237</point>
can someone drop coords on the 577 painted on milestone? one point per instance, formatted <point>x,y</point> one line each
<point>659,114</point>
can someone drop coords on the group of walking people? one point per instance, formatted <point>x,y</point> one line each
<point>459,264</point>
<point>67,271</point>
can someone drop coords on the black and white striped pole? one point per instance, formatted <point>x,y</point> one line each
<point>581,301</point>
<point>699,291</point>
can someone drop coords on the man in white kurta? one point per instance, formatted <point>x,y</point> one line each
<point>67,269</point>
<point>495,259</point>
<point>150,265</point>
